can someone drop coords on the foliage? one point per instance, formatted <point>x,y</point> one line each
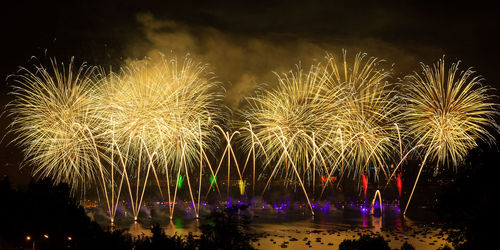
<point>365,242</point>
<point>465,206</point>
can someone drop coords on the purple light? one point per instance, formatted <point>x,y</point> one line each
<point>278,207</point>
<point>364,209</point>
<point>326,208</point>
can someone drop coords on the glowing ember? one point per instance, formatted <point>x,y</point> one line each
<point>364,181</point>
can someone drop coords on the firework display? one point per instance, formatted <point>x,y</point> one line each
<point>285,120</point>
<point>54,114</point>
<point>448,111</point>
<point>161,119</point>
<point>368,111</point>
<point>163,102</point>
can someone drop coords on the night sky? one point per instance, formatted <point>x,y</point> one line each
<point>244,42</point>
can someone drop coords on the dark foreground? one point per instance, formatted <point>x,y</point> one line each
<point>44,216</point>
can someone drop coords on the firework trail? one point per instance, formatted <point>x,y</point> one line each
<point>337,116</point>
<point>162,102</point>
<point>286,119</point>
<point>165,109</point>
<point>160,116</point>
<point>447,112</point>
<point>367,114</point>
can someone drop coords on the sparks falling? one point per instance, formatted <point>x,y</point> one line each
<point>162,118</point>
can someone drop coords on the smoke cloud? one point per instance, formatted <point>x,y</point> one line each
<point>244,61</point>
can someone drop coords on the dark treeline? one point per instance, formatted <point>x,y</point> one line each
<point>464,206</point>
<point>47,216</point>
<point>467,206</point>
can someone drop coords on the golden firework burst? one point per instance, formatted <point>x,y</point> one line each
<point>54,116</point>
<point>286,119</point>
<point>448,111</point>
<point>366,118</point>
<point>164,104</point>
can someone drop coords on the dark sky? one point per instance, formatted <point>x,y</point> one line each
<point>104,32</point>
<point>101,32</point>
<point>245,41</point>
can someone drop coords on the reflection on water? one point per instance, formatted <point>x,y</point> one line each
<point>138,229</point>
<point>285,220</point>
<point>178,223</point>
<point>326,216</point>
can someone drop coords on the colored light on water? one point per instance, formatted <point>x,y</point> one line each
<point>364,179</point>
<point>364,210</point>
<point>241,185</point>
<point>180,179</point>
<point>399,183</point>
<point>178,223</point>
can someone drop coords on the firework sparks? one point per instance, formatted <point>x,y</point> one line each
<point>332,115</point>
<point>289,115</point>
<point>85,125</point>
<point>367,114</point>
<point>54,117</point>
<point>448,112</point>
<point>169,107</point>
<point>162,102</point>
